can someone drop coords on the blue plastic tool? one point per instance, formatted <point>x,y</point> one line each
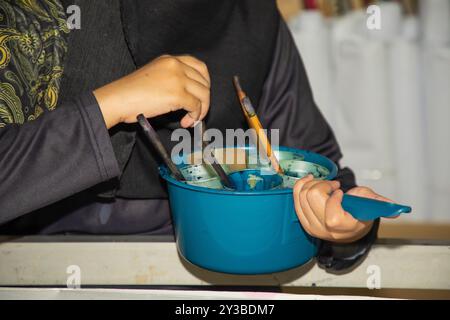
<point>365,209</point>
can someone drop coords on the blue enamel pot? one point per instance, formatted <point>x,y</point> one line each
<point>249,232</point>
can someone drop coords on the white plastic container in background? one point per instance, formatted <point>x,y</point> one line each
<point>391,22</point>
<point>347,32</point>
<point>410,29</point>
<point>363,115</point>
<point>435,22</point>
<point>437,77</point>
<point>409,127</point>
<point>312,38</point>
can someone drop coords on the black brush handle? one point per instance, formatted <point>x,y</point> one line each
<point>153,137</point>
<point>224,179</point>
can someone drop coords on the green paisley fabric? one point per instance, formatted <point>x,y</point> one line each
<point>33,44</point>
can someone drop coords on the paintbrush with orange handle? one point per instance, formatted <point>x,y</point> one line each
<point>254,123</point>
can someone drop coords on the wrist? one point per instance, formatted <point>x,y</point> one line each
<point>343,257</point>
<point>107,104</point>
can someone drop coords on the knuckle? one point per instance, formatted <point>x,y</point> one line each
<point>203,66</point>
<point>304,193</point>
<point>171,62</point>
<point>366,189</point>
<point>315,192</point>
<point>332,222</point>
<point>314,199</point>
<point>297,188</point>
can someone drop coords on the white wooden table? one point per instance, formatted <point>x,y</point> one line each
<point>145,294</point>
<point>153,261</point>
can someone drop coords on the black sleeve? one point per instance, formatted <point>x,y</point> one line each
<point>55,156</point>
<point>287,104</point>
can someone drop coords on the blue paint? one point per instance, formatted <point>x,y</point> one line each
<point>255,180</point>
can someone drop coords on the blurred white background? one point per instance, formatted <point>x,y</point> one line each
<point>385,92</point>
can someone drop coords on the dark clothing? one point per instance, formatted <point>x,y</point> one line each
<point>98,54</point>
<point>81,156</point>
<point>53,157</point>
<point>230,36</point>
<point>33,45</point>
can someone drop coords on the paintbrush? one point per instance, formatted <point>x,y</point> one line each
<point>254,123</point>
<point>154,139</point>
<point>224,179</point>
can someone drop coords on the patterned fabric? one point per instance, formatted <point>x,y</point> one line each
<point>33,43</point>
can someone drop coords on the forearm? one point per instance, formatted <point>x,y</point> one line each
<point>60,154</point>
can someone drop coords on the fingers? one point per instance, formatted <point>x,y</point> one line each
<point>198,85</point>
<point>340,223</point>
<point>309,199</point>
<point>335,216</point>
<point>318,205</point>
<point>193,106</point>
<point>313,199</point>
<point>193,74</point>
<point>187,121</point>
<point>317,196</point>
<point>198,65</point>
<point>202,93</point>
<point>298,208</point>
<point>196,103</point>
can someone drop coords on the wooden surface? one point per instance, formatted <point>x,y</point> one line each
<point>399,230</point>
<point>129,261</point>
<point>142,294</point>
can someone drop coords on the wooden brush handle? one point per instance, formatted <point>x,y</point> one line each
<point>264,142</point>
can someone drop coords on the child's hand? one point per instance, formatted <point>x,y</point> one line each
<point>318,206</point>
<point>166,84</point>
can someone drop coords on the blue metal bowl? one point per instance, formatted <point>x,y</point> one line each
<point>246,232</point>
